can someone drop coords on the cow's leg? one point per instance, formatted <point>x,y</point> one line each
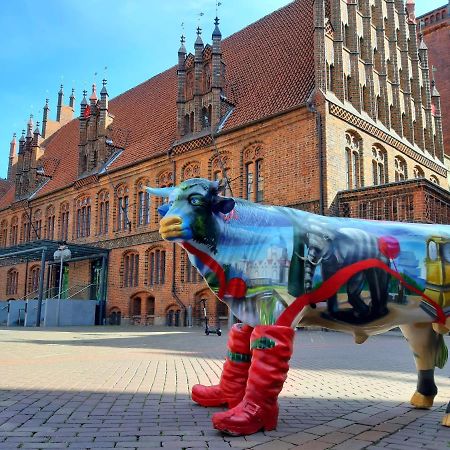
<point>231,388</point>
<point>424,343</point>
<point>379,291</point>
<point>272,348</point>
<point>354,288</point>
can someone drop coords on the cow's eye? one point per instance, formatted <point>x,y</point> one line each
<point>195,200</point>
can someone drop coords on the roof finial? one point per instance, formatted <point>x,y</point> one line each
<point>93,96</point>
<point>182,48</point>
<point>104,91</point>
<point>199,31</point>
<point>216,32</point>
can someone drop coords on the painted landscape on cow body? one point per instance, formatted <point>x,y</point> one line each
<point>260,259</point>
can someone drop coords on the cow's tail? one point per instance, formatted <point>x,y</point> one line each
<point>441,353</point>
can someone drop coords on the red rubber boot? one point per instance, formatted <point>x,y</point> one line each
<point>272,349</point>
<point>231,388</point>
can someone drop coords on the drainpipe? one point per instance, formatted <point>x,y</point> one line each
<point>174,253</point>
<point>312,108</point>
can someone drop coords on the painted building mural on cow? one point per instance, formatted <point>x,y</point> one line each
<point>277,267</point>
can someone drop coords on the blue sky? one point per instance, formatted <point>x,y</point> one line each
<point>46,43</point>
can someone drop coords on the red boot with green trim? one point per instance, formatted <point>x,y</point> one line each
<point>231,388</point>
<point>272,347</point>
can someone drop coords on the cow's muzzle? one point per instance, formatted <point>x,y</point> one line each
<point>171,228</point>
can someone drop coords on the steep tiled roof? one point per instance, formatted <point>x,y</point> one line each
<point>269,69</point>
<point>6,193</point>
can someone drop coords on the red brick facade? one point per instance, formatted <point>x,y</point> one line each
<point>312,130</point>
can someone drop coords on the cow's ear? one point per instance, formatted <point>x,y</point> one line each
<point>223,205</point>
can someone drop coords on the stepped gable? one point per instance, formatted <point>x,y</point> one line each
<point>269,69</point>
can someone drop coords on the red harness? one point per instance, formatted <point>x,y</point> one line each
<point>327,289</point>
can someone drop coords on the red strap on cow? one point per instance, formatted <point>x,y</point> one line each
<point>212,264</point>
<point>327,289</point>
<point>332,285</point>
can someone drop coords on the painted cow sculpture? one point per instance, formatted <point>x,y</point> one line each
<point>277,267</point>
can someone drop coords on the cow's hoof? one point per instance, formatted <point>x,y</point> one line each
<point>446,420</point>
<point>421,401</point>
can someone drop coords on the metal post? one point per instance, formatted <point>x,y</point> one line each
<point>102,291</point>
<point>41,289</point>
<point>58,305</point>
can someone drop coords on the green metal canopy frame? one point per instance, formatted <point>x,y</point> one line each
<point>44,249</point>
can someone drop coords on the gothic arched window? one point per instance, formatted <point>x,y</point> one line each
<point>33,282</point>
<point>130,269</point>
<point>14,233</point>
<point>353,160</point>
<point>122,208</point>
<point>379,165</point>
<point>155,266</point>
<point>418,172</point>
<point>83,215</point>
<point>50,223</point>
<point>254,173</point>
<point>434,179</point>
<point>64,221</point>
<point>3,233</point>
<point>37,225</point>
<point>219,164</point>
<point>164,179</point>
<point>143,203</point>
<point>103,212</point>
<point>400,169</point>
<point>12,278</point>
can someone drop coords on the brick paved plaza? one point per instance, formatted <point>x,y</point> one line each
<point>118,387</point>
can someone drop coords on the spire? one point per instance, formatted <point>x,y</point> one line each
<point>93,97</point>
<point>45,118</point>
<point>84,105</point>
<point>182,48</point>
<point>72,99</point>
<point>410,8</point>
<point>12,147</point>
<point>104,91</point>
<point>84,101</point>
<point>434,91</point>
<point>216,32</point>
<point>60,103</point>
<point>30,127</point>
<point>198,41</point>
<point>22,141</point>
<point>36,135</point>
<point>422,45</point>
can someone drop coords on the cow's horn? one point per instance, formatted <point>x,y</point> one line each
<point>159,192</point>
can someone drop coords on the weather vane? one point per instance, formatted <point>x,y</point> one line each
<point>217,6</point>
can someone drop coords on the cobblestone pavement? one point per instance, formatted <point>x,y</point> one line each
<point>128,388</point>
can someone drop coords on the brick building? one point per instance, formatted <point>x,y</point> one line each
<point>323,105</point>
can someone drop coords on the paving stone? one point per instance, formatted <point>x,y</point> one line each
<point>132,391</point>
